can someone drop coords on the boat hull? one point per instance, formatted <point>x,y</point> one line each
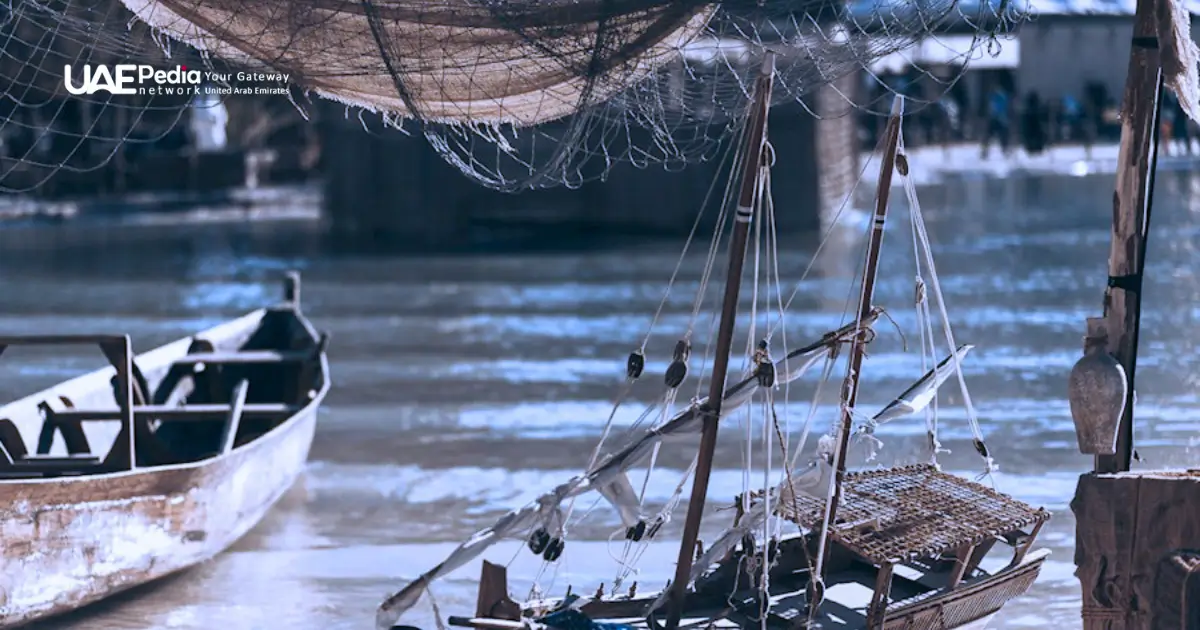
<point>221,427</point>
<point>61,553</point>
<point>971,606</point>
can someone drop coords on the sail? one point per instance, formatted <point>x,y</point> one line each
<point>451,61</point>
<point>608,477</point>
<point>921,393</point>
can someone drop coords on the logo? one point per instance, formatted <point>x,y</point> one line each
<point>132,79</point>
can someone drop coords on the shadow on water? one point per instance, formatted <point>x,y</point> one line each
<point>465,383</point>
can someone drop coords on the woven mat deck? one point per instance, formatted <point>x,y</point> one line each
<point>898,514</point>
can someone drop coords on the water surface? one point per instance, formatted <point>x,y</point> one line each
<point>465,385</point>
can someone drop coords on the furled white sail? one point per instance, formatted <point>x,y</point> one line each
<point>918,396</point>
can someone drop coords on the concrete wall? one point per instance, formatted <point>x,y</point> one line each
<point>1059,54</point>
<point>838,146</point>
<point>394,188</point>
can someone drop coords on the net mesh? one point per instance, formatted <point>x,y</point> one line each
<point>515,93</point>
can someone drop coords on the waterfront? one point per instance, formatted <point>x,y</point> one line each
<point>465,385</point>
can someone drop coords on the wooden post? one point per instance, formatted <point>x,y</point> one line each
<point>877,611</point>
<point>1126,523</point>
<point>858,350</point>
<point>1131,215</point>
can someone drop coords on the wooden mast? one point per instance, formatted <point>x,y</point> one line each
<point>858,345</point>
<point>711,411</point>
<point>1131,216</point>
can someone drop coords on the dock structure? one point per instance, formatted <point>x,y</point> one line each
<point>394,187</point>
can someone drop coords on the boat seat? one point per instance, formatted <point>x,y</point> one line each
<point>245,357</point>
<point>186,413</point>
<point>14,459</point>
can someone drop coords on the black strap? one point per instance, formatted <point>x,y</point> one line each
<point>1131,282</point>
<point>1150,42</point>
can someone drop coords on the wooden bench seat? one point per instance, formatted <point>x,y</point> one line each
<point>15,461</point>
<point>246,357</point>
<point>56,460</point>
<point>185,413</point>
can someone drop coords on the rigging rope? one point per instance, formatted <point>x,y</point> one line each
<point>927,251</point>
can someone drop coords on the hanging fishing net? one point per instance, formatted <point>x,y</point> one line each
<point>515,93</point>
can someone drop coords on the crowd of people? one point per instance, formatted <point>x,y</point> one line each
<point>1001,119</point>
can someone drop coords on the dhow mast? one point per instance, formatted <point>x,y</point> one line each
<point>752,157</point>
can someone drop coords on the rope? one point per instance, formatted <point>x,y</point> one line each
<point>833,224</point>
<point>688,243</point>
<point>923,238</point>
<point>925,329</point>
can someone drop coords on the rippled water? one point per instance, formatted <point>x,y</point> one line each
<point>465,385</point>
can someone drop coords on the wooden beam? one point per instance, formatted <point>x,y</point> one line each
<point>1021,549</point>
<point>877,612</point>
<point>58,340</point>
<point>1131,216</point>
<point>168,414</point>
<point>962,562</point>
<point>486,624</point>
<point>234,420</point>
<point>979,553</point>
<point>120,353</point>
<point>244,357</point>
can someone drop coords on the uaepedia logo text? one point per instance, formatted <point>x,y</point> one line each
<point>131,79</point>
<point>143,79</point>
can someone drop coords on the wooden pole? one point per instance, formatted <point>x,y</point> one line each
<point>711,411</point>
<point>1131,216</point>
<point>858,346</point>
<point>1127,523</point>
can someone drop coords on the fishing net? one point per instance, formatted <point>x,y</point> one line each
<point>515,93</point>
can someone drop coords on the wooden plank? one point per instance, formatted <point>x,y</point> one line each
<point>189,412</point>
<point>247,357</point>
<point>485,624</point>
<point>877,611</point>
<point>1125,524</point>
<point>57,460</point>
<point>1021,549</point>
<point>234,420</point>
<point>981,551</point>
<point>119,352</point>
<point>493,600</point>
<point>58,340</point>
<point>962,562</point>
